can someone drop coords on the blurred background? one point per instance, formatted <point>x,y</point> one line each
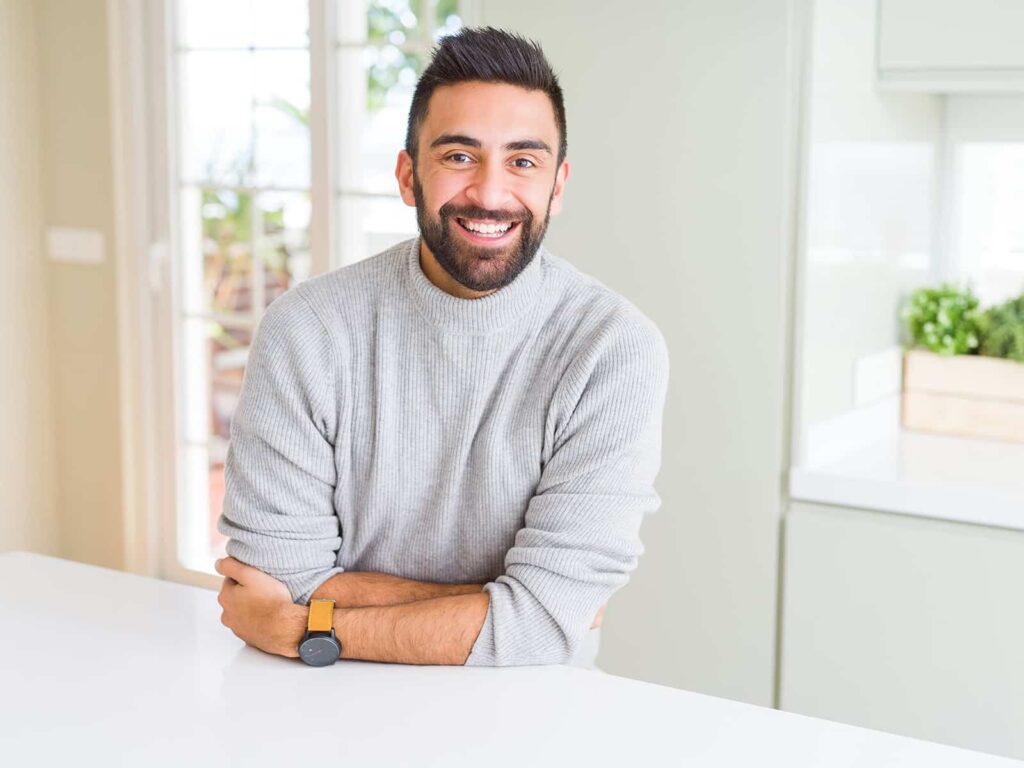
<point>820,203</point>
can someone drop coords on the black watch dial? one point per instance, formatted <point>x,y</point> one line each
<point>320,651</point>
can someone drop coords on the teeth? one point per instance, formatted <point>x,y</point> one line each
<point>486,229</point>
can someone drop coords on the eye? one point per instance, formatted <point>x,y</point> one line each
<point>528,162</point>
<point>459,158</point>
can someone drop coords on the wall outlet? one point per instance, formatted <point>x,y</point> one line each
<point>74,246</point>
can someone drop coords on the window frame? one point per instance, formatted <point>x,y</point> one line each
<point>144,86</point>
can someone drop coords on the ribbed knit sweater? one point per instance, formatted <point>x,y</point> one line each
<point>513,440</point>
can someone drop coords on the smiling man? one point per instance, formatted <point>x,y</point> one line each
<point>492,203</point>
<point>455,440</point>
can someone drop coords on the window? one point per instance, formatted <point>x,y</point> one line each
<point>287,116</point>
<point>986,145</point>
<point>381,48</point>
<point>990,225</point>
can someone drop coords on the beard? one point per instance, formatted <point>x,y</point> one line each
<point>479,268</point>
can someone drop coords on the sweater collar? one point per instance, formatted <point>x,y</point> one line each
<point>484,315</point>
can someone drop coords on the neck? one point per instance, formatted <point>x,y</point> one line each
<point>439,276</point>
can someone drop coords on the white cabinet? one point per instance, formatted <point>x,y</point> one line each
<point>906,625</point>
<point>951,45</point>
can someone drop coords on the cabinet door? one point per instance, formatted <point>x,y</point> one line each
<point>950,35</point>
<point>906,625</point>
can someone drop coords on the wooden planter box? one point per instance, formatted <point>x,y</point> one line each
<point>966,395</point>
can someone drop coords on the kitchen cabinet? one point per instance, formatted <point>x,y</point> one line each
<point>951,45</point>
<point>904,624</point>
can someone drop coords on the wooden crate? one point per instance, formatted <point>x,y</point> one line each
<point>966,395</point>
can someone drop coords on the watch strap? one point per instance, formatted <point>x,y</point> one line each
<point>321,615</point>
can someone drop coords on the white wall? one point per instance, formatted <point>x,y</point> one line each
<point>872,187</point>
<point>680,142</point>
<point>59,420</point>
<point>28,512</point>
<point>78,192</point>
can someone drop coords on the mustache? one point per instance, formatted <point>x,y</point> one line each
<point>448,210</point>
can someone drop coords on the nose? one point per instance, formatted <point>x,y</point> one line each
<point>488,188</point>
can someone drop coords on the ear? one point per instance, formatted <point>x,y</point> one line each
<point>561,176</point>
<point>403,172</point>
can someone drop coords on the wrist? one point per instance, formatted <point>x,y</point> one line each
<point>292,622</point>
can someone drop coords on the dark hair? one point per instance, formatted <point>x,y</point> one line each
<point>489,55</point>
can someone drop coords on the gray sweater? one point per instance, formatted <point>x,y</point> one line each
<point>385,425</point>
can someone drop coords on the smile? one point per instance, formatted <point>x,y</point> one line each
<point>486,230</point>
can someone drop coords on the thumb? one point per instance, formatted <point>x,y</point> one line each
<point>228,566</point>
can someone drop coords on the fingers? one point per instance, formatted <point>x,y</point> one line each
<point>231,568</point>
<point>239,573</point>
<point>225,589</point>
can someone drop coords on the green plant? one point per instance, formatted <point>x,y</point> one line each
<point>1002,330</point>
<point>394,29</point>
<point>944,319</point>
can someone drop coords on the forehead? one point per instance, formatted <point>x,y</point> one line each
<point>490,112</point>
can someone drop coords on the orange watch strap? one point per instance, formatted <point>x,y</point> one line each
<point>321,615</point>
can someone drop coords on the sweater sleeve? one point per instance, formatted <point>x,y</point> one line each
<point>580,540</point>
<point>280,474</point>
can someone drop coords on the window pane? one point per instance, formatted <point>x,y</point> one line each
<point>243,143</point>
<point>199,542</point>
<point>447,19</point>
<point>245,118</point>
<point>990,223</point>
<point>396,22</point>
<point>243,23</point>
<point>195,382</point>
<point>375,91</point>
<point>228,352</point>
<point>213,357</point>
<point>281,118</point>
<point>217,93</point>
<point>216,229</point>
<point>213,364</point>
<point>214,23</point>
<point>368,225</point>
<point>376,83</point>
<point>280,23</point>
<point>284,248</point>
<point>227,250</point>
<point>194,523</point>
<point>215,494</point>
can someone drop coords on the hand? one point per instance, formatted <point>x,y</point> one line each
<point>259,609</point>
<point>598,618</point>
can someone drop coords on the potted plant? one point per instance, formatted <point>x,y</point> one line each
<point>964,371</point>
<point>1002,331</point>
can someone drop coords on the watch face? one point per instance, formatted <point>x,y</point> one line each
<point>319,651</point>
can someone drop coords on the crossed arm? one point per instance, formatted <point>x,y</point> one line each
<point>378,617</point>
<point>578,543</point>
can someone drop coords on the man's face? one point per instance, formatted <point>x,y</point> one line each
<point>486,180</point>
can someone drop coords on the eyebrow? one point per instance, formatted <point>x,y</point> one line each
<point>469,141</point>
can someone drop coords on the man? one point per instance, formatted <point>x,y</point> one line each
<point>456,439</point>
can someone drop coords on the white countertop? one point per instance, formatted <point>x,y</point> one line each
<point>99,667</point>
<point>864,459</point>
<point>914,473</point>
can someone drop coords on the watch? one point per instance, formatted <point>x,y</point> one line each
<point>320,647</point>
